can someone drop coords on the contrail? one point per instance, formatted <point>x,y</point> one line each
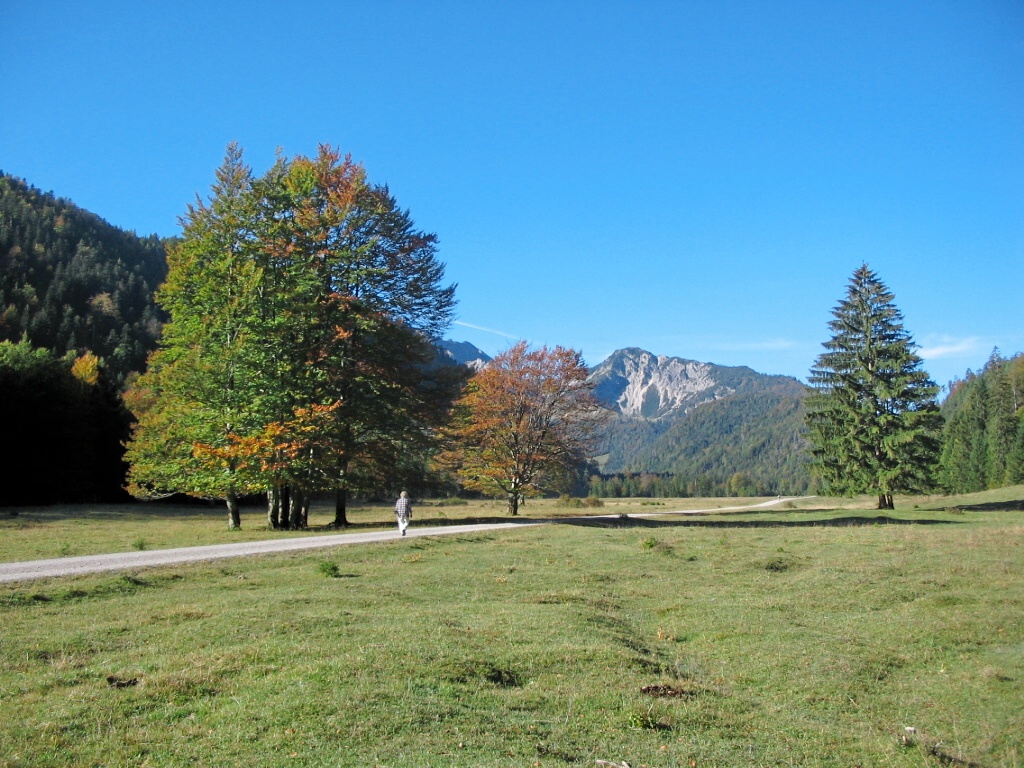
<point>486,330</point>
<point>947,347</point>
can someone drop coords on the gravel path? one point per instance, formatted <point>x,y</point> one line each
<point>71,566</point>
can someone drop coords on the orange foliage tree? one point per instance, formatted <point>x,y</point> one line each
<point>525,424</point>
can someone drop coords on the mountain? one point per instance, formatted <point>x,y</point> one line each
<point>463,353</point>
<point>706,423</point>
<point>637,384</point>
<point>71,282</point>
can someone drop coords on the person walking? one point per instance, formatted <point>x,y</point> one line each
<point>403,511</point>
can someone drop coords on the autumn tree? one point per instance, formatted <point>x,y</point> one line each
<point>525,424</point>
<point>872,420</point>
<point>361,294</point>
<point>302,304</point>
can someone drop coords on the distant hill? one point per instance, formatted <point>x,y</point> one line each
<point>706,423</point>
<point>71,282</point>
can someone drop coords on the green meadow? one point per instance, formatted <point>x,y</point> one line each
<point>814,633</point>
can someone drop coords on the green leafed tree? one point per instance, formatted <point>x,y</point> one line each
<point>872,419</point>
<point>302,304</point>
<point>198,396</point>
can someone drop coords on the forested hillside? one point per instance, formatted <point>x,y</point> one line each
<point>71,282</point>
<point>693,428</point>
<point>983,439</point>
<point>744,444</point>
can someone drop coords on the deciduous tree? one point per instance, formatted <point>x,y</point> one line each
<point>302,304</point>
<point>198,396</point>
<point>525,424</point>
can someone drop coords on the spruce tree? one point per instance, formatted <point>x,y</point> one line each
<point>873,421</point>
<point>962,464</point>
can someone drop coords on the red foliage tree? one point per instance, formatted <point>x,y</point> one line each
<point>525,424</point>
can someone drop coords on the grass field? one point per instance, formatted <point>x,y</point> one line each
<point>797,636</point>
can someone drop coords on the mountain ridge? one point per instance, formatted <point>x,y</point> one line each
<point>643,384</point>
<point>703,421</point>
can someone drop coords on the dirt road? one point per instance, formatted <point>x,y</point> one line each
<point>70,566</point>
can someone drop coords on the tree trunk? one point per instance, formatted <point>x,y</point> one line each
<point>234,517</point>
<point>295,514</point>
<point>885,501</point>
<point>340,504</point>
<point>286,504</point>
<point>513,503</point>
<point>274,507</point>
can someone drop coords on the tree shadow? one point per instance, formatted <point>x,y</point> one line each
<point>1012,505</point>
<point>837,522</point>
<point>628,521</point>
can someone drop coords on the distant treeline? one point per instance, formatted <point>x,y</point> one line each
<point>664,485</point>
<point>72,283</point>
<point>983,438</point>
<point>749,443</point>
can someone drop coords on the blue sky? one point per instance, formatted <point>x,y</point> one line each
<point>699,179</point>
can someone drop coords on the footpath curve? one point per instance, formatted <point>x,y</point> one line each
<point>119,561</point>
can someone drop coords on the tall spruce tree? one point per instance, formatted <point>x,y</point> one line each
<point>873,421</point>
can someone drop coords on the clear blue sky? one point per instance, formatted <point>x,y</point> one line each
<point>699,179</point>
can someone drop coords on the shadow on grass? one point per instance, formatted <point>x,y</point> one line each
<point>629,521</point>
<point>1013,505</point>
<point>836,522</point>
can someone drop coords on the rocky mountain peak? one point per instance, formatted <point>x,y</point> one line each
<point>639,384</point>
<point>463,353</point>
